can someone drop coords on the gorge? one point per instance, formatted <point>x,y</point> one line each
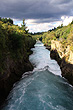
<point>43,88</point>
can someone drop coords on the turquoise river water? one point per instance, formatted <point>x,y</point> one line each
<point>43,88</point>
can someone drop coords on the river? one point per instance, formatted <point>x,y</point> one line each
<point>43,88</point>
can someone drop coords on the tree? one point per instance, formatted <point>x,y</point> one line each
<point>24,26</point>
<point>24,22</point>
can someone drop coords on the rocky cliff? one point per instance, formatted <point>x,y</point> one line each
<point>13,70</point>
<point>15,45</point>
<point>62,51</point>
<point>64,57</point>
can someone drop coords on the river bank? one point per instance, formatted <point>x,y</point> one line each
<point>64,59</point>
<point>15,48</point>
<point>13,72</point>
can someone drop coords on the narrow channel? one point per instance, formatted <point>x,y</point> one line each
<point>43,88</point>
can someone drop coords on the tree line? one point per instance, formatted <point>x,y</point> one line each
<point>15,42</point>
<point>6,20</point>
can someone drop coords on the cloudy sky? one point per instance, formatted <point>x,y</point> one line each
<point>40,15</point>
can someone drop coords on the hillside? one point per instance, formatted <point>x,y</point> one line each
<point>60,42</point>
<point>15,45</point>
<point>63,34</point>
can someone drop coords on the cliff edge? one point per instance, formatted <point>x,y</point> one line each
<point>64,57</point>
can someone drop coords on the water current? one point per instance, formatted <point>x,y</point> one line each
<point>43,88</point>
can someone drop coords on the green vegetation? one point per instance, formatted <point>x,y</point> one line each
<point>47,37</point>
<point>62,33</point>
<point>5,20</point>
<point>15,42</point>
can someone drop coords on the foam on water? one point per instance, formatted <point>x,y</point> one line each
<point>43,89</point>
<point>41,58</point>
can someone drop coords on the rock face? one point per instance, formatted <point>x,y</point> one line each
<point>65,65</point>
<point>71,57</point>
<point>13,72</point>
<point>48,47</point>
<point>64,52</point>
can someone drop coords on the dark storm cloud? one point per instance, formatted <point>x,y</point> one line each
<point>43,10</point>
<point>61,1</point>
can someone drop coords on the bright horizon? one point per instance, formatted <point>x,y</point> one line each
<point>39,15</point>
<point>42,27</point>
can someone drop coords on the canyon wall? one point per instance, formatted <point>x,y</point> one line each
<point>63,52</point>
<point>64,57</point>
<point>13,70</point>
